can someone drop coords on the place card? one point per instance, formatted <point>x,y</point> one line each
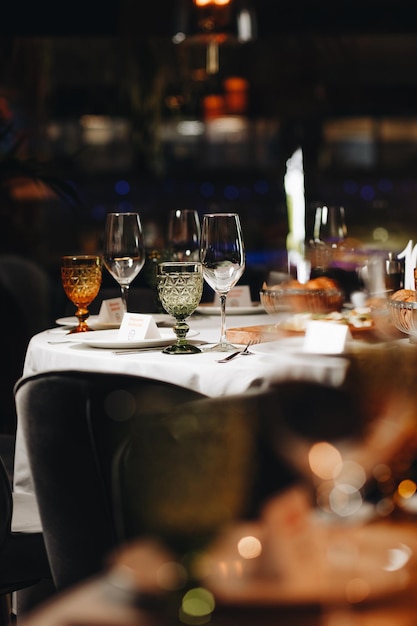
<point>111,311</point>
<point>238,296</point>
<point>326,337</point>
<point>135,327</point>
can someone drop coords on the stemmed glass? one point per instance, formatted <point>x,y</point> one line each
<point>184,233</point>
<point>222,255</point>
<point>81,278</point>
<point>330,225</point>
<point>124,249</point>
<point>180,287</point>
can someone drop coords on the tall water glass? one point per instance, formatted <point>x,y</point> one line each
<point>124,249</point>
<point>222,255</point>
<point>184,233</point>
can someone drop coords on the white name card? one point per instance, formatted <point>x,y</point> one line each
<point>111,311</point>
<point>135,327</point>
<point>326,337</point>
<point>238,296</point>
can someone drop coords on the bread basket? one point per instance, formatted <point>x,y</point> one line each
<point>404,316</point>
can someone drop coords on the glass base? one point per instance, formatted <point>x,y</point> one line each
<point>222,347</point>
<point>84,328</point>
<point>184,348</point>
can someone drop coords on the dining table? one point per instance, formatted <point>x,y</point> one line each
<point>269,361</point>
<point>55,349</point>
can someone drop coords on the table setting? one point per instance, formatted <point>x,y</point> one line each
<point>295,332</point>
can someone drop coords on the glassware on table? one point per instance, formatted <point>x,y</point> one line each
<point>124,249</point>
<point>222,255</point>
<point>184,233</point>
<point>180,287</point>
<point>329,230</point>
<point>330,225</point>
<point>81,278</point>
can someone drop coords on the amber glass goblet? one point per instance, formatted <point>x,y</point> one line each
<point>81,278</point>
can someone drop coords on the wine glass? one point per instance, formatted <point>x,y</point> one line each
<point>124,249</point>
<point>81,278</point>
<point>222,255</point>
<point>184,233</point>
<point>180,287</point>
<point>330,225</point>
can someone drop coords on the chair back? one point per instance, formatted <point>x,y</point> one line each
<point>76,426</point>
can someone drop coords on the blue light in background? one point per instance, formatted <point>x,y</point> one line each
<point>367,192</point>
<point>122,188</point>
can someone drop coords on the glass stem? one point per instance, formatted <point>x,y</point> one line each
<point>223,340</point>
<point>124,290</point>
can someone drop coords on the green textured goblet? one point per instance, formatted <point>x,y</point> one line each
<point>180,287</point>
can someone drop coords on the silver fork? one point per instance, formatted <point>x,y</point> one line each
<point>244,352</point>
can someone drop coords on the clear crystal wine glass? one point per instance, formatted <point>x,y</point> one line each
<point>124,249</point>
<point>222,255</point>
<point>81,279</point>
<point>184,233</point>
<point>330,225</point>
<point>180,287</point>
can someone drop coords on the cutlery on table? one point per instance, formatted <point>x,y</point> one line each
<point>244,352</point>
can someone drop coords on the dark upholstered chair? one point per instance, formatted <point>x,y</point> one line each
<point>75,425</point>
<point>115,457</point>
<point>23,558</point>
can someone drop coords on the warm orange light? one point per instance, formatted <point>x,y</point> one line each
<point>324,459</point>
<point>205,3</point>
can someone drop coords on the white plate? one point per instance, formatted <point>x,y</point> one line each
<point>91,321</point>
<point>210,309</point>
<point>109,339</point>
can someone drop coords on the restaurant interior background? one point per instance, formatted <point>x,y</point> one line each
<point>129,119</point>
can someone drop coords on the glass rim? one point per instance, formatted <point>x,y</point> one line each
<point>122,213</point>
<point>221,215</point>
<point>81,257</point>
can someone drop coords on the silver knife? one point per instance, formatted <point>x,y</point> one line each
<point>133,350</point>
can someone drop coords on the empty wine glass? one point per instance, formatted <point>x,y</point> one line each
<point>184,234</point>
<point>222,255</point>
<point>330,225</point>
<point>180,287</point>
<point>81,278</point>
<point>124,249</point>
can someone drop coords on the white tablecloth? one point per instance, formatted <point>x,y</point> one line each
<point>48,351</point>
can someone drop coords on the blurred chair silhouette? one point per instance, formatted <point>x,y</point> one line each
<point>75,425</point>
<point>30,286</point>
<point>25,311</point>
<point>115,457</point>
<point>23,558</point>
